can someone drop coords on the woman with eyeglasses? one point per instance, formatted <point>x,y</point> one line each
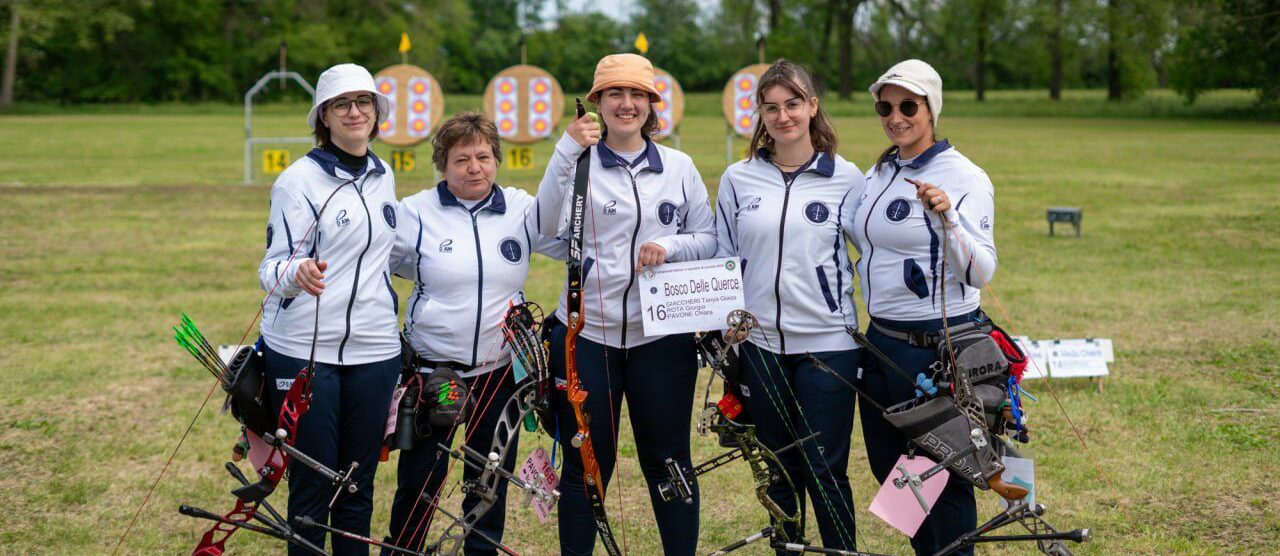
<point>780,212</point>
<point>646,205</point>
<point>329,303</point>
<point>924,227</point>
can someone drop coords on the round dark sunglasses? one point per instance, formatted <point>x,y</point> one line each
<point>908,108</point>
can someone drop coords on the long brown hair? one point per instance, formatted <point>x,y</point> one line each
<point>784,73</point>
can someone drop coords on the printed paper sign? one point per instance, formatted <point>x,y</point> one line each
<point>1037,362</point>
<point>901,507</point>
<point>692,296</point>
<point>537,470</point>
<point>1076,358</point>
<point>1021,472</point>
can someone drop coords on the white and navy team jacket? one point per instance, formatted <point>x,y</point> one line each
<point>786,229</point>
<point>901,244</point>
<point>467,265</point>
<point>353,233</point>
<point>659,197</point>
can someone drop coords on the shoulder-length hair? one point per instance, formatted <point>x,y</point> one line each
<point>784,73</point>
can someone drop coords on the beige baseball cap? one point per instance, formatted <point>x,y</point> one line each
<point>918,77</point>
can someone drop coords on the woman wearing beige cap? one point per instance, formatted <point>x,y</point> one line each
<point>924,230</point>
<point>646,205</point>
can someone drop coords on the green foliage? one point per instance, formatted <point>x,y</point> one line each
<point>1229,43</point>
<point>83,51</point>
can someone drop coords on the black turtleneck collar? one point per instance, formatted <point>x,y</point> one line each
<point>352,163</point>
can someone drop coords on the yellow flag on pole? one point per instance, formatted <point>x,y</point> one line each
<point>404,43</point>
<point>642,43</point>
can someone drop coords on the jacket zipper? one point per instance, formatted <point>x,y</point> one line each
<point>777,277</point>
<point>866,231</point>
<point>626,294</point>
<point>355,282</point>
<point>475,341</point>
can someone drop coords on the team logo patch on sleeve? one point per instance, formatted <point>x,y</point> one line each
<point>817,212</point>
<point>389,214</point>
<point>897,210</point>
<point>666,212</point>
<point>511,250</point>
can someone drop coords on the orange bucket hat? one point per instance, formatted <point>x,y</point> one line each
<point>623,70</point>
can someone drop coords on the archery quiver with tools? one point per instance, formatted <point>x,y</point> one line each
<point>245,395</point>
<point>445,397</point>
<point>962,432</point>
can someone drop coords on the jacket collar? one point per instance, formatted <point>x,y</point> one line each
<point>822,163</point>
<point>329,163</point>
<point>921,160</point>
<point>494,202</point>
<point>610,159</point>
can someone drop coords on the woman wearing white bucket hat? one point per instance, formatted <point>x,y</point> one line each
<point>329,304</point>
<point>913,275</point>
<point>647,205</point>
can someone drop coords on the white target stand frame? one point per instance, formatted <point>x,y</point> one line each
<point>249,139</point>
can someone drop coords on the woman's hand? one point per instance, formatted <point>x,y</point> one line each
<point>934,199</point>
<point>585,131</point>
<point>310,276</point>
<point>651,254</point>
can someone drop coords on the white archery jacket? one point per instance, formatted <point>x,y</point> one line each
<point>796,272</point>
<point>467,265</point>
<point>901,244</point>
<point>659,197</point>
<point>353,234</point>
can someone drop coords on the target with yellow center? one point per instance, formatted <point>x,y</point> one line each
<point>417,104</point>
<point>525,102</point>
<point>739,99</point>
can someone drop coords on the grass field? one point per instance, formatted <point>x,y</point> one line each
<point>114,223</point>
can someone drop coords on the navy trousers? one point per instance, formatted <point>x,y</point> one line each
<point>955,513</point>
<point>658,381</point>
<point>788,399</point>
<point>348,414</point>
<point>424,468</point>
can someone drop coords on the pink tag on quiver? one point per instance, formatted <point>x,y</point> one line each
<point>901,507</point>
<point>391,414</point>
<point>537,471</point>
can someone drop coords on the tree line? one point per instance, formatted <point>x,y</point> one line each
<point>92,51</point>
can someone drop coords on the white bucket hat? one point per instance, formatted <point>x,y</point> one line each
<point>342,79</point>
<point>918,77</point>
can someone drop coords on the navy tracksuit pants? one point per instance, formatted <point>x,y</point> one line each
<point>424,468</point>
<point>348,414</point>
<point>787,399</point>
<point>955,513</point>
<point>658,381</point>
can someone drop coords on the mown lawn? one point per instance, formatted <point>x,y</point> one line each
<point>115,223</point>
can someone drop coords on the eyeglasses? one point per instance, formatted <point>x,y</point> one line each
<point>342,106</point>
<point>794,106</point>
<point>908,108</point>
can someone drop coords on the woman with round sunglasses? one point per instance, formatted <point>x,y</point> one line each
<point>646,205</point>
<point>779,211</point>
<point>329,304</point>
<point>923,225</point>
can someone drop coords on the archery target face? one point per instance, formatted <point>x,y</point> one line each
<point>525,103</point>
<point>417,105</point>
<point>739,99</point>
<point>670,107</point>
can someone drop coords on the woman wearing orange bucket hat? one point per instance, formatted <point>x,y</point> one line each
<point>646,205</point>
